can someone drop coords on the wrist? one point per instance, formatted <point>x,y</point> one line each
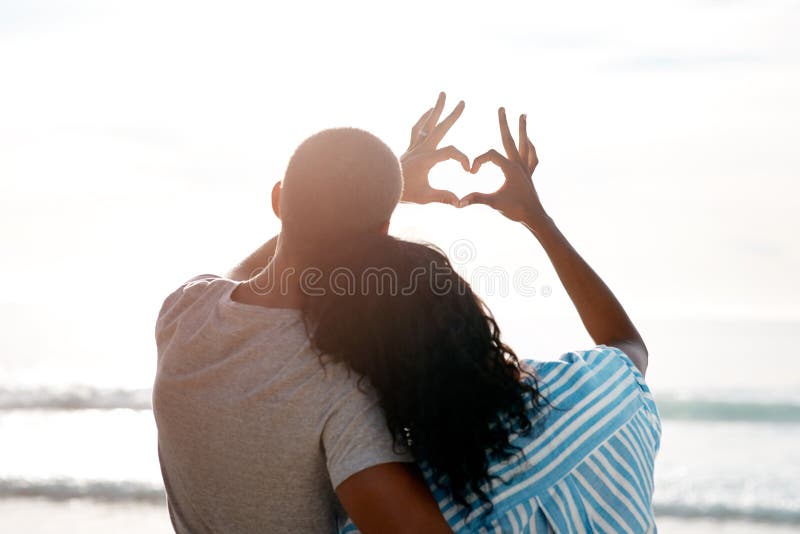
<point>538,222</point>
<point>545,231</point>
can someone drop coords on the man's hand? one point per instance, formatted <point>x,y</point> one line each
<point>517,198</point>
<point>423,154</point>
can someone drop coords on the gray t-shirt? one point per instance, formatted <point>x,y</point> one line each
<point>254,433</point>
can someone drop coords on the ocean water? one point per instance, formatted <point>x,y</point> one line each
<point>730,451</point>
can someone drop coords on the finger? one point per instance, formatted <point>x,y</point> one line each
<point>486,199</point>
<point>533,157</point>
<point>524,149</point>
<point>492,156</point>
<point>441,130</point>
<point>505,134</point>
<point>433,118</point>
<point>443,197</point>
<point>451,152</point>
<point>418,127</point>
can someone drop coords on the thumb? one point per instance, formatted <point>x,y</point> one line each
<point>486,199</point>
<point>442,196</point>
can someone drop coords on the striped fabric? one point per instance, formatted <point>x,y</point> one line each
<point>588,466</point>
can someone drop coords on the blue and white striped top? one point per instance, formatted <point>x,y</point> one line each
<point>588,465</point>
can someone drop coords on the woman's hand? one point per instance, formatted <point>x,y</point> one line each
<point>517,198</point>
<point>423,154</point>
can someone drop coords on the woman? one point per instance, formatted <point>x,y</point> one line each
<point>505,445</point>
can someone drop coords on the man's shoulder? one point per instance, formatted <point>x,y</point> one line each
<point>193,287</point>
<point>197,284</point>
<point>187,295</point>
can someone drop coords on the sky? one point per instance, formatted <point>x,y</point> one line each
<point>139,142</point>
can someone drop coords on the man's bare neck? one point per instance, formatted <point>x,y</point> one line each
<point>277,286</point>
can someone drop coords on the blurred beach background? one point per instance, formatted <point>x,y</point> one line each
<point>139,143</point>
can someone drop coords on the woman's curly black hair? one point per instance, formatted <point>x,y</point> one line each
<point>398,313</point>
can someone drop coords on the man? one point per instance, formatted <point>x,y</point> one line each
<point>256,431</point>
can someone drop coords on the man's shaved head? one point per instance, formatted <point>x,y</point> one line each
<point>339,183</point>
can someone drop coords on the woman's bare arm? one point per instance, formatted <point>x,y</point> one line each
<point>600,311</point>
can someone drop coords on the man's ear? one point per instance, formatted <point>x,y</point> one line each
<point>276,199</point>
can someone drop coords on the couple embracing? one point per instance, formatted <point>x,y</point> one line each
<point>285,404</point>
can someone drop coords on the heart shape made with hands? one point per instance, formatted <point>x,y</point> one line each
<point>424,164</point>
<point>450,176</point>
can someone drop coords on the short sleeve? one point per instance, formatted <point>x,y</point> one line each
<point>647,395</point>
<point>356,437</point>
<point>611,360</point>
